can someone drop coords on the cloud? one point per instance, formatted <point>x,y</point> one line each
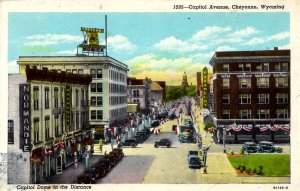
<point>66,52</point>
<point>161,68</point>
<point>13,67</point>
<point>225,48</point>
<point>244,32</point>
<point>262,40</point>
<point>120,43</point>
<point>287,46</point>
<point>51,39</point>
<point>208,31</point>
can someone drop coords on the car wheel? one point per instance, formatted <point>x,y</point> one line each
<point>119,145</point>
<point>168,145</point>
<point>155,145</point>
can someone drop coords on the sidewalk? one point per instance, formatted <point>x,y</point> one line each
<point>70,174</point>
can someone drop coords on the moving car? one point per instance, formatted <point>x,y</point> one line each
<point>193,159</point>
<point>186,137</point>
<point>128,143</point>
<point>163,142</point>
<point>250,147</point>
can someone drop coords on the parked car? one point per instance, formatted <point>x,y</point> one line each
<point>139,138</point>
<point>102,169</point>
<point>250,147</point>
<point>128,143</point>
<point>268,147</point>
<point>193,159</point>
<point>163,142</point>
<point>85,179</point>
<point>186,137</point>
<point>155,123</point>
<point>105,160</point>
<point>119,152</point>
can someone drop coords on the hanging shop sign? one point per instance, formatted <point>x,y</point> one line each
<point>68,102</point>
<point>205,88</point>
<point>25,126</point>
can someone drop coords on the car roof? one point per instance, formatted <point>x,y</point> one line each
<point>266,142</point>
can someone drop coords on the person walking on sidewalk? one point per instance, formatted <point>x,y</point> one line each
<point>76,162</point>
<point>112,142</point>
<point>100,145</point>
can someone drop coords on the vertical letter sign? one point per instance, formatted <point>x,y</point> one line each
<point>25,126</point>
<point>205,88</point>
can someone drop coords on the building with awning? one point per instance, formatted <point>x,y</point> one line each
<point>251,95</point>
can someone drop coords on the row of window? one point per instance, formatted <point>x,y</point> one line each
<point>117,88</point>
<point>280,82</point>
<point>115,113</point>
<point>261,113</point>
<point>117,76</point>
<point>95,73</point>
<point>116,100</point>
<point>259,67</point>
<point>56,97</point>
<point>75,71</point>
<point>281,98</point>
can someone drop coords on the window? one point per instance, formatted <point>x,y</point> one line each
<point>93,73</point>
<point>226,114</point>
<point>263,114</point>
<point>277,67</point>
<point>77,121</point>
<point>262,67</point>
<point>226,67</point>
<point>74,71</point>
<point>47,98</point>
<point>247,68</point>
<point>284,67</point>
<point>282,98</point>
<point>263,98</point>
<point>55,97</point>
<point>99,87</point>
<point>136,93</point>
<point>226,99</point>
<point>245,114</point>
<point>80,71</point>
<point>47,127</point>
<point>68,70</point>
<point>76,98</point>
<point>281,82</point>
<point>245,82</point>
<point>99,73</point>
<point>56,126</point>
<point>263,82</point>
<point>36,134</point>
<point>99,101</point>
<point>36,98</point>
<point>244,98</point>
<point>93,87</point>
<point>226,84</point>
<point>62,96</point>
<point>241,67</point>
<point>282,113</point>
<point>93,101</point>
<point>10,131</point>
<point>97,114</point>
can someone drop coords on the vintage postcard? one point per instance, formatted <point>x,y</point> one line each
<point>164,95</point>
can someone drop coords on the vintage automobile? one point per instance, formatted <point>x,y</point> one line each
<point>116,156</point>
<point>193,159</point>
<point>139,138</point>
<point>268,147</point>
<point>155,123</point>
<point>163,142</point>
<point>250,147</point>
<point>105,159</point>
<point>128,143</point>
<point>186,137</point>
<point>102,169</point>
<point>90,176</point>
<point>119,151</point>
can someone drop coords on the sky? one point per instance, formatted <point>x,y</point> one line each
<point>160,46</point>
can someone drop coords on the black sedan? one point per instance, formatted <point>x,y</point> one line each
<point>163,142</point>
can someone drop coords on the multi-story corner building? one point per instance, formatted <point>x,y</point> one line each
<point>138,91</point>
<point>47,122</point>
<point>251,95</point>
<point>107,91</point>
<point>157,94</point>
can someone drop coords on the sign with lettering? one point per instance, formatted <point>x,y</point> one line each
<point>25,125</point>
<point>68,105</point>
<point>205,88</point>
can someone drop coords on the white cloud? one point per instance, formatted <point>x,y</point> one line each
<point>120,43</point>
<point>51,39</point>
<point>66,52</point>
<point>262,40</point>
<point>208,31</point>
<point>13,67</point>
<point>287,46</point>
<point>225,48</point>
<point>244,32</point>
<point>173,44</point>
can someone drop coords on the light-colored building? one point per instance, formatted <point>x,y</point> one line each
<point>138,91</point>
<point>107,91</point>
<point>157,94</point>
<point>49,117</point>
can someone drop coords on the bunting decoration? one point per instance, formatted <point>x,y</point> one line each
<point>155,130</point>
<point>48,150</point>
<point>59,144</point>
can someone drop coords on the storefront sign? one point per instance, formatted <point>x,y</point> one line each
<point>205,88</point>
<point>68,102</point>
<point>25,126</point>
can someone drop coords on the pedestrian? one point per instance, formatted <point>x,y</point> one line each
<point>100,145</point>
<point>75,162</point>
<point>112,141</point>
